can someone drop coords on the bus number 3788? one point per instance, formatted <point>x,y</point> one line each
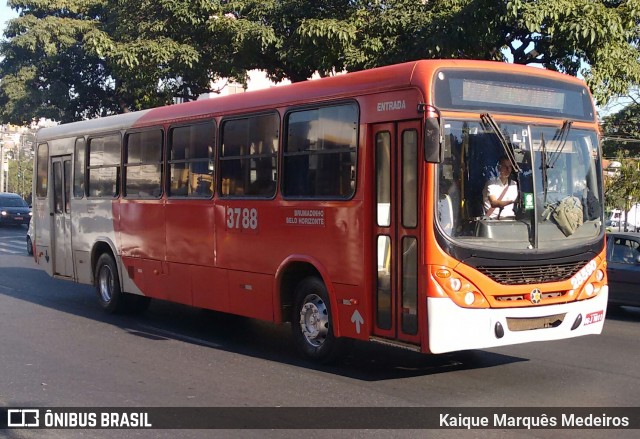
<point>242,218</point>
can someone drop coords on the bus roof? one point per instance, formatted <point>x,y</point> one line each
<point>336,87</point>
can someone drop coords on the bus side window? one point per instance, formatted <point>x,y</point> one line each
<point>103,166</point>
<point>320,153</point>
<point>42,170</point>
<point>79,168</point>
<point>248,156</point>
<point>143,164</point>
<point>190,160</point>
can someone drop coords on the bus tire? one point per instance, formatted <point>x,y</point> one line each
<point>312,322</point>
<point>110,296</point>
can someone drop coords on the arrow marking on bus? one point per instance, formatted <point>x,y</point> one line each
<point>357,319</point>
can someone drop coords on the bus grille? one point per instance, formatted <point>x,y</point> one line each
<point>533,274</point>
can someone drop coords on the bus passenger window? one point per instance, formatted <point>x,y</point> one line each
<point>42,170</point>
<point>248,156</point>
<point>78,168</point>
<point>191,160</point>
<point>320,154</point>
<point>143,164</point>
<point>103,166</point>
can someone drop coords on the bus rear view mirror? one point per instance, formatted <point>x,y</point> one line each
<point>432,145</point>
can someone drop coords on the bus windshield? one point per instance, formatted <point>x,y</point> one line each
<point>550,168</point>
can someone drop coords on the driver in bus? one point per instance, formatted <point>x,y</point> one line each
<point>500,193</point>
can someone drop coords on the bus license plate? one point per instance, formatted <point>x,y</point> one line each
<point>594,317</point>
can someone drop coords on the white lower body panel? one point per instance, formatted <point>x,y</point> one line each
<point>452,328</point>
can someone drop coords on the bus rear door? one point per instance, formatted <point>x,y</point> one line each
<point>396,231</point>
<point>61,216</point>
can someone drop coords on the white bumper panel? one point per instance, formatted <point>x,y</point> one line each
<point>452,328</point>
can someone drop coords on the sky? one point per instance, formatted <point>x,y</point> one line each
<point>6,13</point>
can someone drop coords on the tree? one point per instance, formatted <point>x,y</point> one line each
<point>293,38</point>
<point>622,189</point>
<point>20,176</point>
<point>622,132</point>
<point>598,39</point>
<point>74,59</point>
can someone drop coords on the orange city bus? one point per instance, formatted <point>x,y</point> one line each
<point>350,206</point>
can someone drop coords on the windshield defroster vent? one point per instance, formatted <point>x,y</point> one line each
<point>531,274</point>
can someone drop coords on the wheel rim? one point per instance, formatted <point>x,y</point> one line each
<point>105,283</point>
<point>314,320</point>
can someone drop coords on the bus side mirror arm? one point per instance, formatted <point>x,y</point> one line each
<point>433,151</point>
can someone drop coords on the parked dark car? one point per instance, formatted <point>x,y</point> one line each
<point>14,210</point>
<point>623,268</point>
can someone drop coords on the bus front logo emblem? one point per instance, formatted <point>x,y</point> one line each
<point>535,296</point>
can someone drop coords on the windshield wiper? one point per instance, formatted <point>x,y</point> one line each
<point>487,119</point>
<point>544,167</point>
<point>561,138</point>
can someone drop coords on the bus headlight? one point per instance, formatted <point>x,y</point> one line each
<point>589,289</point>
<point>457,288</point>
<point>469,298</point>
<point>594,283</point>
<point>599,275</point>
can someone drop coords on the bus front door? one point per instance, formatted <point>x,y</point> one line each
<point>61,216</point>
<point>397,231</point>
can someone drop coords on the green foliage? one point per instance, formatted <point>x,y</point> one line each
<point>596,38</point>
<point>621,132</point>
<point>74,59</point>
<point>621,142</point>
<point>20,176</point>
<point>294,38</point>
<point>622,188</point>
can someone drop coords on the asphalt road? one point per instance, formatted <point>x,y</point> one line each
<point>58,349</point>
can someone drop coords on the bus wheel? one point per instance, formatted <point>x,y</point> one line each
<point>107,283</point>
<point>312,322</point>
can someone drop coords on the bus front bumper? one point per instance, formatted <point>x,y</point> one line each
<point>452,328</point>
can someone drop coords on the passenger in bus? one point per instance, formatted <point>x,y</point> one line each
<point>500,193</point>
